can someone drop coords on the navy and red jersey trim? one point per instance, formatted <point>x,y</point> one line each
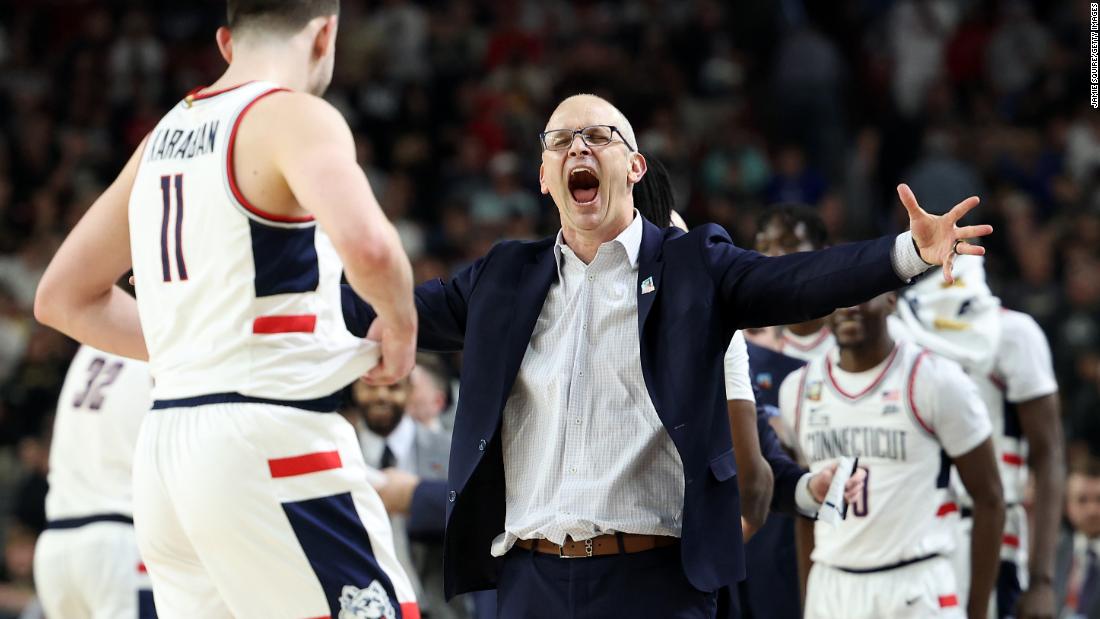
<point>232,176</point>
<point>911,391</point>
<point>874,384</point>
<point>785,341</point>
<point>199,93</point>
<point>798,403</point>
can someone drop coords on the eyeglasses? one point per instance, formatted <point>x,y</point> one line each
<point>595,135</point>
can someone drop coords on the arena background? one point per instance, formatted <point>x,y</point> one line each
<point>748,103</point>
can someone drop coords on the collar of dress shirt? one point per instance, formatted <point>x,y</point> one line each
<point>401,441</point>
<point>1081,544</point>
<point>630,239</point>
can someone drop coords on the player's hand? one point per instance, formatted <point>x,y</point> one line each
<point>397,490</point>
<point>1037,602</point>
<point>935,235</point>
<point>819,483</point>
<point>398,353</point>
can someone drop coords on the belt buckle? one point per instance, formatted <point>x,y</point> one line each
<point>587,551</point>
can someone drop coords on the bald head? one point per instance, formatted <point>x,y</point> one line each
<point>592,106</point>
<point>591,183</point>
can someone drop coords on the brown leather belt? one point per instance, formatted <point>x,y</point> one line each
<point>610,544</point>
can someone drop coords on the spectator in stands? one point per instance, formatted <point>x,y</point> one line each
<point>1077,563</point>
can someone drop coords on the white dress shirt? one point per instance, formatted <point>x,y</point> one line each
<point>585,452</point>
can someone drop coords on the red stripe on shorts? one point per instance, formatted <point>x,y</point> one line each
<point>304,464</point>
<point>142,569</point>
<point>946,508</point>
<point>409,610</point>
<point>1013,459</point>
<point>1010,540</point>
<point>304,323</point>
<point>949,601</point>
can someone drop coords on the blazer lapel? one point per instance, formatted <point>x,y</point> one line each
<point>650,266</point>
<point>533,285</point>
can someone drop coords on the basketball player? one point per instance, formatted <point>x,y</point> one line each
<point>906,415</point>
<point>238,214</point>
<point>86,562</point>
<point>1008,358</point>
<point>786,229</point>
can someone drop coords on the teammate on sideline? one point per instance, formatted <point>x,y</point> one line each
<point>1008,357</point>
<point>86,562</point>
<point>238,214</point>
<point>907,415</point>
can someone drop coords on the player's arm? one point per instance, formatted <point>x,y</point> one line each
<point>754,475</point>
<point>1040,419</point>
<point>77,293</point>
<point>1026,365</point>
<point>789,394</point>
<point>979,473</point>
<point>315,152</point>
<point>950,403</point>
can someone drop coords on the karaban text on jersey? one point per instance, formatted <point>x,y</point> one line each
<point>169,143</point>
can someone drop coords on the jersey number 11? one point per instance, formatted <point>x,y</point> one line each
<point>166,183</point>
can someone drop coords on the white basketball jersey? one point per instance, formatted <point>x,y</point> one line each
<point>806,347</point>
<point>1022,371</point>
<point>899,425</point>
<point>98,417</point>
<point>233,300</point>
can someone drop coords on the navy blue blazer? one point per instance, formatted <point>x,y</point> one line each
<point>704,288</point>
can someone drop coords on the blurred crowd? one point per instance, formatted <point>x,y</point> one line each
<point>748,103</point>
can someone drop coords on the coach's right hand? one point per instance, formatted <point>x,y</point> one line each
<point>398,344</point>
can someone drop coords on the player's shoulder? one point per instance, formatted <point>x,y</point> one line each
<point>1018,328</point>
<point>793,379</point>
<point>297,112</point>
<point>929,365</point>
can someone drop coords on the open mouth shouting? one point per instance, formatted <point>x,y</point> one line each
<point>584,185</point>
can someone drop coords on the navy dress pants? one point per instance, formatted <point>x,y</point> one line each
<point>642,584</point>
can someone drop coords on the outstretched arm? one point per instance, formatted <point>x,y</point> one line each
<point>77,294</point>
<point>761,291</point>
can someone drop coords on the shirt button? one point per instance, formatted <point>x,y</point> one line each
<point>573,470</point>
<point>451,496</point>
<point>481,445</point>
<point>578,421</point>
<point>590,278</point>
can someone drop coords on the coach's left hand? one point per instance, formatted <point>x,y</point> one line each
<point>935,235</point>
<point>819,483</point>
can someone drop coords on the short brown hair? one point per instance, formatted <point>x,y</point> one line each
<point>1087,466</point>
<point>279,15</point>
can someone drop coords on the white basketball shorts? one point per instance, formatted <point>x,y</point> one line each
<point>92,571</point>
<point>262,510</point>
<point>916,591</point>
